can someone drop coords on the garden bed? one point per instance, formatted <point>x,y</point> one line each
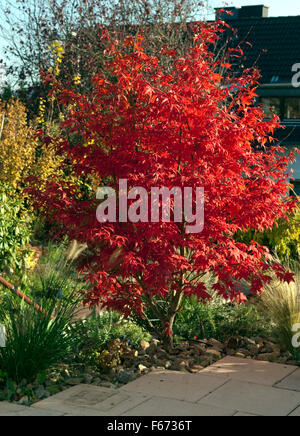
<point>189,356</point>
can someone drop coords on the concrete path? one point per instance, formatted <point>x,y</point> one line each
<point>230,387</point>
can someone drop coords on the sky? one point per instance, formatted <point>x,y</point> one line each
<point>276,7</point>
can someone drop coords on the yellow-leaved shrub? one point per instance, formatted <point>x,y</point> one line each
<point>45,165</point>
<point>21,154</point>
<point>18,143</point>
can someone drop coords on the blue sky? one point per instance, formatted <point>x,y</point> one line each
<point>276,7</point>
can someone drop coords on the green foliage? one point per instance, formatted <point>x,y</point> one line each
<point>34,341</point>
<point>217,319</point>
<point>109,326</point>
<point>213,318</point>
<point>94,335</point>
<point>15,232</point>
<point>3,377</point>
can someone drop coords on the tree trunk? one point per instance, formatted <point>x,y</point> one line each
<point>168,339</point>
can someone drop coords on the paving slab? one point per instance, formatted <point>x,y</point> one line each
<point>6,407</point>
<point>292,382</point>
<point>159,406</point>
<point>249,370</point>
<point>253,398</point>
<point>175,384</point>
<point>75,399</point>
<point>230,387</point>
<point>67,410</point>
<point>295,412</point>
<point>30,411</point>
<point>12,409</point>
<point>244,414</point>
<point>88,400</point>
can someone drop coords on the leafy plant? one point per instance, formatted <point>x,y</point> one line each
<point>18,143</point>
<point>101,329</point>
<point>283,239</point>
<point>218,319</point>
<point>35,341</point>
<point>101,339</point>
<point>184,126</point>
<point>15,232</point>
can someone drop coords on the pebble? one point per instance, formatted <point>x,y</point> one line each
<point>24,401</point>
<point>74,381</point>
<point>271,357</point>
<point>87,379</point>
<point>125,377</point>
<point>142,368</point>
<point>41,393</point>
<point>144,345</point>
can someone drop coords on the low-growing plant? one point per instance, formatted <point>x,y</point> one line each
<point>111,325</point>
<point>211,318</point>
<point>96,334</point>
<point>218,319</point>
<point>35,341</point>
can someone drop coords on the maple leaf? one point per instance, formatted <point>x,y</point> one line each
<point>226,65</point>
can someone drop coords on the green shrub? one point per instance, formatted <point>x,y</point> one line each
<point>211,319</point>
<point>34,341</point>
<point>217,319</point>
<point>109,326</point>
<point>93,335</point>
<point>15,232</point>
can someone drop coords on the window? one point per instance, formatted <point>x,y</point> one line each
<point>292,108</point>
<point>296,188</point>
<point>271,105</point>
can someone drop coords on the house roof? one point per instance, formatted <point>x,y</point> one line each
<point>275,45</point>
<point>274,48</point>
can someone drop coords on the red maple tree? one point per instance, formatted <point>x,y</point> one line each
<point>185,125</point>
